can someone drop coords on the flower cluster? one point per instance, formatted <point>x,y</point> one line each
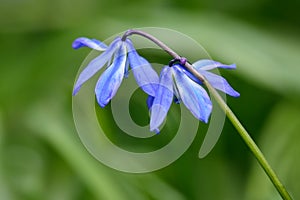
<point>175,81</point>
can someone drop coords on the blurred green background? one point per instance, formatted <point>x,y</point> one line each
<point>41,156</point>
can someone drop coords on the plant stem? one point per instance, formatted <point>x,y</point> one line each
<point>251,144</point>
<point>231,116</point>
<point>153,39</point>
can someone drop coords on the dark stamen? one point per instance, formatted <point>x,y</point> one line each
<point>173,61</point>
<point>180,60</point>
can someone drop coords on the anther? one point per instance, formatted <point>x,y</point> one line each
<point>180,60</point>
<point>173,61</point>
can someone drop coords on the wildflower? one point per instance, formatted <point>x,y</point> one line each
<point>124,55</point>
<point>177,81</point>
<point>173,80</point>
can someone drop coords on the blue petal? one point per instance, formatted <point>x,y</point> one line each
<point>144,74</point>
<point>219,83</point>
<point>86,42</point>
<point>190,75</point>
<point>163,99</point>
<point>96,64</point>
<point>149,101</point>
<point>126,73</point>
<point>111,79</point>
<point>177,98</point>
<point>206,64</point>
<point>194,97</point>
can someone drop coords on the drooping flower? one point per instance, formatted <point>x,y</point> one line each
<point>177,81</point>
<point>124,55</point>
<point>173,81</point>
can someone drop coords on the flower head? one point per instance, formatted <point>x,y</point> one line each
<point>173,81</point>
<point>124,55</point>
<point>177,81</point>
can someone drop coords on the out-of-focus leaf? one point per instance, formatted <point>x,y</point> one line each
<point>29,15</point>
<point>157,188</point>
<point>280,144</point>
<point>1,131</point>
<point>4,191</point>
<point>24,169</point>
<point>62,184</point>
<point>102,181</point>
<point>95,176</point>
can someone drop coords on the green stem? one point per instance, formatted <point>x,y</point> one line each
<point>231,116</point>
<point>251,144</point>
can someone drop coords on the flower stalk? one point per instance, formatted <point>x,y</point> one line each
<point>229,113</point>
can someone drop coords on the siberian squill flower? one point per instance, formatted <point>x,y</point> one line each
<point>123,54</point>
<point>176,80</point>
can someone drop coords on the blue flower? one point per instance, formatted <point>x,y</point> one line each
<point>174,81</point>
<point>123,55</point>
<point>177,81</point>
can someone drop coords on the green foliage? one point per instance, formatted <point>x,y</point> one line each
<point>280,142</point>
<point>41,156</point>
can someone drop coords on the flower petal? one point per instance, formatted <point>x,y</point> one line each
<point>126,73</point>
<point>206,64</point>
<point>111,78</point>
<point>96,64</point>
<point>177,98</point>
<point>86,42</point>
<point>194,97</point>
<point>219,83</point>
<point>149,101</point>
<point>190,75</point>
<point>163,99</point>
<point>144,74</point>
